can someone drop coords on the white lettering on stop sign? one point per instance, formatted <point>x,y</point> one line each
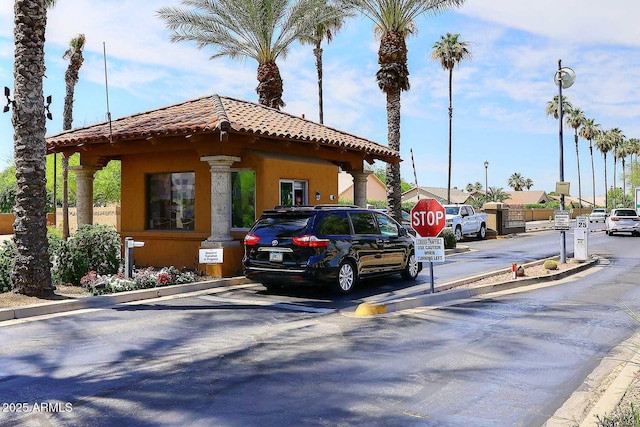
<point>430,218</point>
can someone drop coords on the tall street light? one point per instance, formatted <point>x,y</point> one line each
<point>486,181</point>
<point>564,78</point>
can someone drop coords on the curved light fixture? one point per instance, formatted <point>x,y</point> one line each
<point>566,76</point>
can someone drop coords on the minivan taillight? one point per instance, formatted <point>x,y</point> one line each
<point>251,239</point>
<point>310,241</point>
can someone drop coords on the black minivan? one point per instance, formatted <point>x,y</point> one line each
<point>333,244</point>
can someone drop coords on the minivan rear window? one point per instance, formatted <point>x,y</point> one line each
<point>281,226</point>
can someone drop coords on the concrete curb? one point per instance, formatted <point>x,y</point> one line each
<point>448,291</point>
<point>101,301</point>
<point>609,382</point>
<point>615,392</point>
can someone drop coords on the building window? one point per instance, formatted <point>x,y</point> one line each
<point>243,197</point>
<point>293,193</point>
<point>171,201</point>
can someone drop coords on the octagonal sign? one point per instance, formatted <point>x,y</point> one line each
<point>428,217</point>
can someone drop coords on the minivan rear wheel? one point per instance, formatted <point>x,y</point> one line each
<point>347,277</point>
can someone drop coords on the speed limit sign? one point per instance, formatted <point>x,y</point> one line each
<point>582,222</point>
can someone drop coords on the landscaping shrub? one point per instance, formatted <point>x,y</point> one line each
<point>550,264</point>
<point>628,416</point>
<point>449,238</point>
<point>92,248</point>
<point>7,255</point>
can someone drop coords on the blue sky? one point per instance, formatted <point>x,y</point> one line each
<point>499,95</point>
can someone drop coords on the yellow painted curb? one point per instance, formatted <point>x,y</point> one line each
<point>368,309</point>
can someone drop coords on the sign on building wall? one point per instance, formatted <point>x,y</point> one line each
<point>210,256</point>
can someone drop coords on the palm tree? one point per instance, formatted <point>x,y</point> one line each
<point>496,194</point>
<point>616,138</point>
<point>603,144</point>
<point>74,53</point>
<point>393,22</point>
<point>634,149</point>
<point>31,271</point>
<point>575,118</point>
<point>634,143</point>
<point>450,51</point>
<point>589,131</point>
<point>324,30</point>
<point>622,151</point>
<point>516,181</point>
<point>473,187</point>
<point>260,29</point>
<point>528,183</point>
<point>552,108</point>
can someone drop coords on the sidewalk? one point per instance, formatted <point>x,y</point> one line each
<point>102,301</point>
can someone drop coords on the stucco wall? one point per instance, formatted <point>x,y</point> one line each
<point>321,176</point>
<point>376,189</point>
<point>180,248</point>
<point>7,220</point>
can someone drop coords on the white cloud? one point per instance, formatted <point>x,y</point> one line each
<point>567,21</point>
<point>499,95</point>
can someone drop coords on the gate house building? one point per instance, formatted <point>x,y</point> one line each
<point>197,174</point>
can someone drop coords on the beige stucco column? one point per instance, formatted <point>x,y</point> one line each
<point>220,168</point>
<point>84,193</point>
<point>360,187</point>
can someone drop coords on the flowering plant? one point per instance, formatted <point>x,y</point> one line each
<point>142,279</point>
<point>89,279</point>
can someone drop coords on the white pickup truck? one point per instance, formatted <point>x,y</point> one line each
<point>465,221</point>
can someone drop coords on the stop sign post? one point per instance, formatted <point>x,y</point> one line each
<point>428,218</point>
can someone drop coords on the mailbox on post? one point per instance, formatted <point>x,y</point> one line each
<point>129,244</point>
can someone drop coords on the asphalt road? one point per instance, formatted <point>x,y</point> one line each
<point>236,359</point>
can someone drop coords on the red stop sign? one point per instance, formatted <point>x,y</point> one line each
<point>428,217</point>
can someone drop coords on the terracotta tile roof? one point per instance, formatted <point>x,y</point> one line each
<point>526,197</point>
<point>212,113</point>
<point>438,193</point>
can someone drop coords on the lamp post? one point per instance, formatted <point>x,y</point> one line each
<point>486,180</point>
<point>564,78</point>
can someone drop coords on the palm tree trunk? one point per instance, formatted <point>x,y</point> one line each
<point>394,189</point>
<point>31,272</point>
<point>65,197</point>
<point>55,188</point>
<point>615,161</point>
<point>270,85</point>
<point>606,194</point>
<point>450,132</point>
<point>624,184</point>
<point>579,181</point>
<point>593,174</point>
<point>317,52</point>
